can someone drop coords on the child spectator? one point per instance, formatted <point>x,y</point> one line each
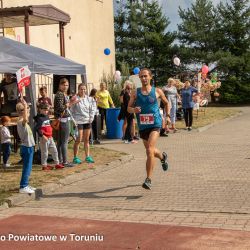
<point>47,144</point>
<point>83,113</point>
<point>27,145</point>
<point>44,98</point>
<point>5,140</point>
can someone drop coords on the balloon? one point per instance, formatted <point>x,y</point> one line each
<point>107,51</point>
<point>204,69</point>
<point>136,70</point>
<point>177,61</point>
<point>117,75</point>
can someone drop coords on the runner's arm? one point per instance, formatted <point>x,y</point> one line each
<point>131,108</point>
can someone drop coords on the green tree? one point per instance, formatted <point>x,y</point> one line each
<point>233,38</point>
<point>219,35</point>
<point>142,39</point>
<point>196,32</point>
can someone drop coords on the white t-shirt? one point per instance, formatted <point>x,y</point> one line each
<point>5,135</point>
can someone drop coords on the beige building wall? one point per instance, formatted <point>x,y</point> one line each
<point>89,32</point>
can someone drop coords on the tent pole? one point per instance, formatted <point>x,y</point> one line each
<point>26,28</point>
<point>62,40</point>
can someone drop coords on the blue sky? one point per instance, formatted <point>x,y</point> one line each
<point>170,8</point>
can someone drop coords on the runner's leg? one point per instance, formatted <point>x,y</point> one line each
<point>151,152</point>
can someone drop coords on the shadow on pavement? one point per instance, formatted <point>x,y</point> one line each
<point>96,195</point>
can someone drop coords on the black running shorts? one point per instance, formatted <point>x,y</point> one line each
<point>144,134</point>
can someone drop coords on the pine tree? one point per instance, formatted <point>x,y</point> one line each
<point>196,31</point>
<point>234,26</point>
<point>233,31</point>
<point>141,37</point>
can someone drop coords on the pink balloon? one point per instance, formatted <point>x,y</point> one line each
<point>204,69</point>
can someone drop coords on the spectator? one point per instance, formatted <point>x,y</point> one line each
<point>8,87</point>
<point>5,140</point>
<point>95,121</point>
<point>172,96</point>
<point>104,101</point>
<point>122,114</point>
<point>188,104</point>
<point>47,144</point>
<point>44,99</point>
<point>129,116</point>
<point>83,113</point>
<point>61,111</point>
<point>27,145</point>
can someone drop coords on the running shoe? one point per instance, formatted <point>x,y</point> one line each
<point>147,183</point>
<point>89,159</point>
<point>76,160</point>
<point>68,165</point>
<point>47,167</point>
<point>164,134</point>
<point>26,190</point>
<point>32,188</point>
<point>7,165</point>
<point>59,166</point>
<point>164,161</point>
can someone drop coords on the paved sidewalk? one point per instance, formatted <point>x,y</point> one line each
<point>207,185</point>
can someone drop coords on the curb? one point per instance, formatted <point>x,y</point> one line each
<point>19,199</point>
<point>202,129</point>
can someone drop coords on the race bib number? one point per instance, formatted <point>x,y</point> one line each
<point>146,119</point>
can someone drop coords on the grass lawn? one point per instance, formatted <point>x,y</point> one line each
<point>208,115</point>
<point>10,177</point>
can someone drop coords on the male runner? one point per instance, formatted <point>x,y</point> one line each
<point>143,102</point>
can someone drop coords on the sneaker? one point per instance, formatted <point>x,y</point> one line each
<point>26,190</point>
<point>32,188</point>
<point>126,141</point>
<point>97,142</point>
<point>7,165</point>
<point>68,165</point>
<point>59,166</point>
<point>175,130</point>
<point>164,134</point>
<point>147,184</point>
<point>164,162</point>
<point>76,160</point>
<point>190,128</point>
<point>89,159</point>
<point>133,141</point>
<point>102,132</point>
<point>187,128</point>
<point>136,138</point>
<point>47,167</point>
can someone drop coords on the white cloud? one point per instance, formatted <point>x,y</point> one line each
<point>170,9</point>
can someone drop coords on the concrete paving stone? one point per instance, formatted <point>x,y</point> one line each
<point>208,183</point>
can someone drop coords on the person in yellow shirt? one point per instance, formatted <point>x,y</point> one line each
<point>104,101</point>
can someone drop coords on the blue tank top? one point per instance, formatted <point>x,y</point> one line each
<point>150,116</point>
